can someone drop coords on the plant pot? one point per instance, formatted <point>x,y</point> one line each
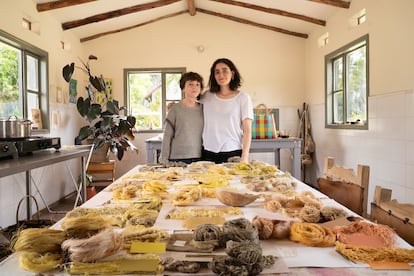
<point>100,155</point>
<point>90,192</point>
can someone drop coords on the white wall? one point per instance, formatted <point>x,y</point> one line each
<point>270,63</point>
<point>54,181</point>
<point>388,145</point>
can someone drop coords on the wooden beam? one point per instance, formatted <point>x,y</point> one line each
<point>116,13</point>
<point>47,6</point>
<point>335,3</point>
<point>248,22</point>
<point>191,7</point>
<point>131,27</point>
<point>273,11</point>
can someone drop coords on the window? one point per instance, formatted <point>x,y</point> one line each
<point>23,80</point>
<point>347,86</point>
<point>149,92</point>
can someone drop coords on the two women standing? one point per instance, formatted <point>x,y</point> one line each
<point>228,115</point>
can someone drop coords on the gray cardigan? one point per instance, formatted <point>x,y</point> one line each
<point>182,137</point>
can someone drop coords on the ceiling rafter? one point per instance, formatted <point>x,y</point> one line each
<point>115,13</point>
<point>59,4</point>
<point>335,3</point>
<point>131,27</point>
<point>273,11</point>
<point>252,23</point>
<point>191,7</point>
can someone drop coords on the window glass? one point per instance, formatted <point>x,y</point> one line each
<point>10,98</point>
<point>356,97</point>
<point>149,92</point>
<point>32,73</point>
<point>23,80</point>
<point>347,87</point>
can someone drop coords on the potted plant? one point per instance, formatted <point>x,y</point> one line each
<point>106,128</point>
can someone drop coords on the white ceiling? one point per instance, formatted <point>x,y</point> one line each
<point>317,9</point>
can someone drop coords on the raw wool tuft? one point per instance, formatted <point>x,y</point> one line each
<point>310,213</point>
<point>105,243</point>
<point>272,229</point>
<point>329,213</point>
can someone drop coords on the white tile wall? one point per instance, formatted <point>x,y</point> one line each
<point>387,146</point>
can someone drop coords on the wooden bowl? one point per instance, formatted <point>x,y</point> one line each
<point>235,198</point>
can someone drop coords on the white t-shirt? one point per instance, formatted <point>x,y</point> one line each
<point>223,121</point>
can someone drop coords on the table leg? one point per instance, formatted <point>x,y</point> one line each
<point>296,160</point>
<point>28,193</point>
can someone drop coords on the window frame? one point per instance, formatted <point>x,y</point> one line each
<point>42,57</point>
<point>163,71</point>
<point>329,84</point>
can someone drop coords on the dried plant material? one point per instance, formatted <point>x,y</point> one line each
<point>142,234</point>
<point>234,198</point>
<point>193,222</point>
<point>200,166</point>
<point>146,217</point>
<point>85,226</point>
<point>186,212</point>
<point>104,211</point>
<point>39,240</point>
<point>38,263</point>
<point>126,192</point>
<point>253,168</point>
<point>362,233</point>
<point>311,234</point>
<point>187,195</point>
<point>369,254</point>
<point>101,245</point>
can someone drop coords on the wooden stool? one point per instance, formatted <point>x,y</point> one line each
<point>102,168</point>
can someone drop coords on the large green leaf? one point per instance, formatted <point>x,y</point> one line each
<point>94,112</point>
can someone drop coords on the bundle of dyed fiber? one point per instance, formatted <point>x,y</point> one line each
<point>39,240</point>
<point>105,243</point>
<point>84,226</point>
<point>243,258</point>
<point>239,230</point>
<point>180,266</point>
<point>39,249</point>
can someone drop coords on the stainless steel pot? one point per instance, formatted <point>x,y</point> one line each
<point>15,128</point>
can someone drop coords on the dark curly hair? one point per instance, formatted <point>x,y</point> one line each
<point>235,81</point>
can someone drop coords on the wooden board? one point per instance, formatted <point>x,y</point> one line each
<point>404,229</point>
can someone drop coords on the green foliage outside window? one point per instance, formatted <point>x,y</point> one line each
<point>9,77</point>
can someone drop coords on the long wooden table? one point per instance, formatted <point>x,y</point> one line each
<point>153,147</point>
<point>294,258</point>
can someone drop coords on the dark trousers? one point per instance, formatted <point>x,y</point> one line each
<point>220,157</point>
<point>187,161</point>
